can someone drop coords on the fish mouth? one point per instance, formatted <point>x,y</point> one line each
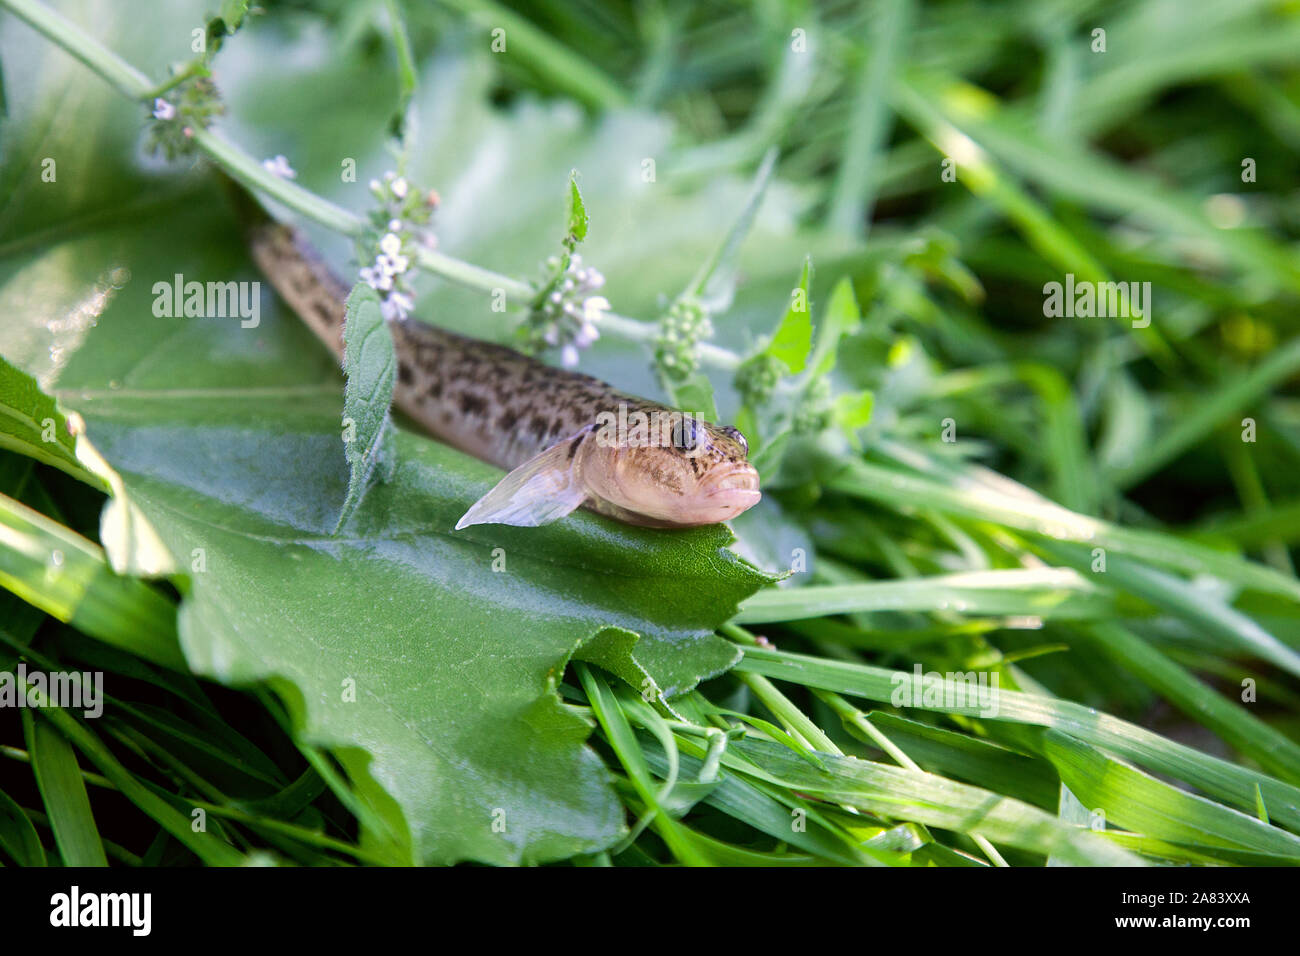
<point>738,483</point>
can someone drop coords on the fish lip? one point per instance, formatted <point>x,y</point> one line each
<point>723,484</point>
<point>751,495</point>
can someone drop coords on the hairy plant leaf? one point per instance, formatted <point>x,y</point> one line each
<point>371,368</point>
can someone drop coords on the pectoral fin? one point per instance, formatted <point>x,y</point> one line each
<point>543,489</point>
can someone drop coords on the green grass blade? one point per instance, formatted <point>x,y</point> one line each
<point>1208,410</point>
<point>67,577</point>
<point>1219,778</point>
<point>18,837</point>
<point>207,847</point>
<point>1046,592</point>
<point>1017,507</point>
<point>899,793</point>
<point>58,777</point>
<point>1138,801</point>
<point>1274,751</point>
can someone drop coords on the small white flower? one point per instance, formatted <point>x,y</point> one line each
<point>374,184</point>
<point>593,307</point>
<point>586,335</point>
<point>383,282</point>
<point>399,188</point>
<point>391,244</point>
<point>368,276</point>
<point>569,356</point>
<point>391,265</point>
<point>397,306</point>
<point>279,167</point>
<point>394,225</point>
<point>163,110</point>
<point>551,337</point>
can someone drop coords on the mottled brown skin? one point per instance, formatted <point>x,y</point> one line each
<point>503,407</point>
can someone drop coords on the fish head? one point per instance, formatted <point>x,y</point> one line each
<point>679,474</point>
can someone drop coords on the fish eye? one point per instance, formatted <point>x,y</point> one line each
<point>684,433</point>
<point>735,435</point>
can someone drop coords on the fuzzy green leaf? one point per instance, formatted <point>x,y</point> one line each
<point>371,367</point>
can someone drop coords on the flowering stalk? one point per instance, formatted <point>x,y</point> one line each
<point>677,343</point>
<point>399,226</point>
<point>565,308</point>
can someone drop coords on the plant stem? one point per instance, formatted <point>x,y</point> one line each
<point>192,69</point>
<point>475,277</point>
<point>251,173</point>
<point>122,75</point>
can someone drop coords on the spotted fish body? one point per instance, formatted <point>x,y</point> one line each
<point>554,431</point>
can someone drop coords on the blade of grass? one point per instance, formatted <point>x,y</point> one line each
<point>1140,802</point>
<point>64,794</point>
<point>854,190</point>
<point>899,793</point>
<point>1002,501</point>
<point>18,836</point>
<point>1044,592</point>
<point>204,845</point>
<point>1274,751</point>
<point>1220,778</point>
<point>67,577</point>
<point>1208,411</point>
<point>623,740</point>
